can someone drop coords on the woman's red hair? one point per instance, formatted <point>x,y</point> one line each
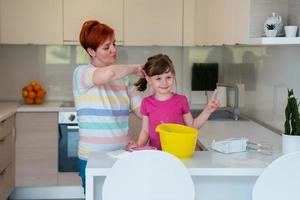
<point>93,34</point>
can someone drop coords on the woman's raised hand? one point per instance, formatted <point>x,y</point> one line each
<point>140,71</point>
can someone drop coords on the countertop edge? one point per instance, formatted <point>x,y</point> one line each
<point>200,164</point>
<point>8,109</point>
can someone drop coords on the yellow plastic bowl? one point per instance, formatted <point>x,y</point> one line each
<point>177,139</point>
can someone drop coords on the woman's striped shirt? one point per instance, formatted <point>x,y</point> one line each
<point>102,111</point>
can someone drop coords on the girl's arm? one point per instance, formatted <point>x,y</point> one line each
<point>144,134</point>
<point>137,112</point>
<point>113,72</point>
<point>199,121</point>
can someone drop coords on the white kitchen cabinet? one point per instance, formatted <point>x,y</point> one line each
<point>76,12</point>
<point>188,31</point>
<point>155,22</point>
<point>219,22</point>
<point>31,22</point>
<point>36,149</point>
<point>214,22</point>
<point>6,157</point>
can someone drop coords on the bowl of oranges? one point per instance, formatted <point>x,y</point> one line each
<point>33,93</point>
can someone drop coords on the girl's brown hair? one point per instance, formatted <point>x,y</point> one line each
<point>94,33</point>
<point>155,65</point>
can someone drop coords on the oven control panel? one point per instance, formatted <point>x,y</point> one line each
<point>67,118</point>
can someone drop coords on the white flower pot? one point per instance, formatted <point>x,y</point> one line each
<point>290,143</point>
<point>271,33</point>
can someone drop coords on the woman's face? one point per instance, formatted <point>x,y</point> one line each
<point>105,54</point>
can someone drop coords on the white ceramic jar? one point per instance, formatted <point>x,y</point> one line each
<point>277,21</point>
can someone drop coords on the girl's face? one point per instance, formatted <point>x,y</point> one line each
<point>162,84</point>
<point>105,54</point>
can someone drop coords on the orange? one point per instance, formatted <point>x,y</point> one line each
<point>37,87</point>
<point>29,88</point>
<point>31,94</point>
<point>38,101</point>
<point>29,100</point>
<point>41,93</point>
<point>33,82</point>
<point>24,93</point>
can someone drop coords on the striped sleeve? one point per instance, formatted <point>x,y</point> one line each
<point>83,78</point>
<point>134,95</point>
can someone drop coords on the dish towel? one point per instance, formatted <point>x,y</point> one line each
<point>204,76</point>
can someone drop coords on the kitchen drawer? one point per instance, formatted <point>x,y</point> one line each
<point>6,182</point>
<point>6,151</point>
<point>6,127</point>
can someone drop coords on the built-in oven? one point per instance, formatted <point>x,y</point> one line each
<point>68,142</point>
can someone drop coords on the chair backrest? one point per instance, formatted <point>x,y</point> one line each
<point>280,180</point>
<point>148,175</point>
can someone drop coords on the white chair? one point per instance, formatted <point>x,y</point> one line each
<point>280,180</point>
<point>148,175</point>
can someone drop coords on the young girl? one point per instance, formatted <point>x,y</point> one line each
<point>165,106</point>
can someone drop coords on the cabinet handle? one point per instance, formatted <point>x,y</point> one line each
<point>72,127</point>
<point>2,139</point>
<point>3,121</point>
<point>2,172</point>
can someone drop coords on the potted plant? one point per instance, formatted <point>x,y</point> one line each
<point>271,30</point>
<point>291,135</point>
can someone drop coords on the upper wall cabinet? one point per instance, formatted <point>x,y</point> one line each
<point>31,21</point>
<point>188,32</point>
<point>219,22</point>
<point>76,12</point>
<point>155,22</point>
<point>214,22</point>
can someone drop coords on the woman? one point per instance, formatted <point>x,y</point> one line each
<point>103,94</point>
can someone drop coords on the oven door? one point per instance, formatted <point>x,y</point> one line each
<point>68,148</point>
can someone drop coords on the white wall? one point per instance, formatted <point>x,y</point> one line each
<point>266,71</point>
<point>27,62</point>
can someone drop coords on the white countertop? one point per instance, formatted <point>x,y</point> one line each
<point>48,106</point>
<point>7,109</point>
<point>211,163</point>
<point>220,130</point>
<point>248,163</point>
<point>202,163</point>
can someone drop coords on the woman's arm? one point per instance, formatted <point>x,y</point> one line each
<point>114,72</point>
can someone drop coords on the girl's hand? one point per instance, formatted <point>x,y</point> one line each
<point>130,145</point>
<point>213,103</point>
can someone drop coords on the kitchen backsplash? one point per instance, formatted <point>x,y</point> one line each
<point>265,71</point>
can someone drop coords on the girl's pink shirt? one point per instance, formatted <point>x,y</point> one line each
<point>168,111</point>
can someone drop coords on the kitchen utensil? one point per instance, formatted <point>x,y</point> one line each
<point>177,139</point>
<point>261,147</point>
<point>142,148</point>
<point>277,21</point>
<point>290,31</point>
<point>230,145</point>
